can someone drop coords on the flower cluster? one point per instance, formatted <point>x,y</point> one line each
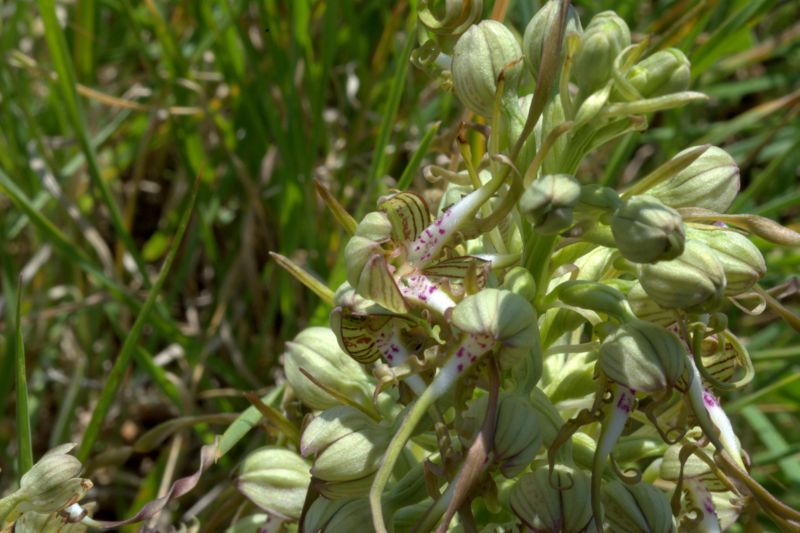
<point>538,351</point>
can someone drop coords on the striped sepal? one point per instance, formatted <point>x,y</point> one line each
<point>460,268</point>
<point>408,214</point>
<point>361,336</point>
<point>376,283</point>
<point>724,362</point>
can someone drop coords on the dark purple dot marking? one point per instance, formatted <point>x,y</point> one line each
<point>460,367</point>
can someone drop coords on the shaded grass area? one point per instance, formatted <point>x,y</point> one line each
<point>111,110</point>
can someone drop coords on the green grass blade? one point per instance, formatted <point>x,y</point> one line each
<point>114,381</point>
<point>24,439</point>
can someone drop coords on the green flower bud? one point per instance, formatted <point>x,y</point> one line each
<point>276,480</point>
<point>539,26</point>
<point>520,281</point>
<point>517,437</point>
<point>643,357</point>
<point>479,57</point>
<point>317,351</point>
<point>710,182</point>
<point>647,231</point>
<point>639,508</point>
<point>604,38</point>
<point>695,280</point>
<point>740,259</point>
<point>548,203</point>
<point>667,71</point>
<point>347,444</point>
<point>560,507</point>
<point>52,483</point>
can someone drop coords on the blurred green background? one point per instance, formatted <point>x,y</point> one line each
<point>111,109</point>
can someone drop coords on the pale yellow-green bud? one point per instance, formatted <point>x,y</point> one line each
<point>667,71</point>
<point>346,443</point>
<point>52,483</point>
<point>693,281</point>
<point>740,259</point>
<point>646,231</point>
<point>642,356</point>
<point>710,182</point>
<point>479,57</point>
<point>604,38</point>
<point>542,507</point>
<point>317,351</point>
<point>549,201</point>
<point>539,26</point>
<point>639,508</point>
<point>275,480</point>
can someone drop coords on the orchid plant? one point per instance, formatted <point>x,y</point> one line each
<point>539,338</point>
<point>538,352</point>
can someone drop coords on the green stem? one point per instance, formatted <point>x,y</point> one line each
<point>393,452</point>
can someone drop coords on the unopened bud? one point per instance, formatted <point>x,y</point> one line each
<point>646,231</point>
<point>479,57</point>
<point>52,483</point>
<point>694,281</point>
<point>276,480</point>
<point>604,38</point>
<point>740,259</point>
<point>710,182</point>
<point>639,507</point>
<point>540,503</point>
<point>549,201</point>
<point>517,437</point>
<point>347,444</point>
<point>540,26</point>
<point>642,356</point>
<point>667,71</point>
<point>317,351</point>
<point>520,281</point>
